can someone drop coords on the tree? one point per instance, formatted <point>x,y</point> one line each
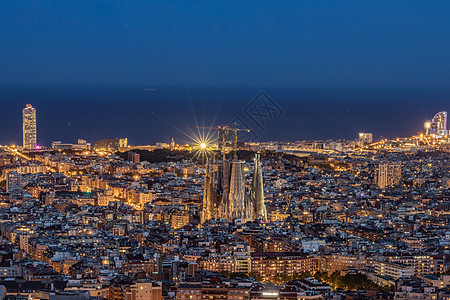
<point>256,276</point>
<point>302,275</point>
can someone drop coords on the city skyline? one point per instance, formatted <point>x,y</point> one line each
<point>224,150</point>
<point>339,120</point>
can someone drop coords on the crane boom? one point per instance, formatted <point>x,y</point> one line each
<point>221,131</point>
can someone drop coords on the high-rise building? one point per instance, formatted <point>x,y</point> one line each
<point>388,174</point>
<point>438,125</point>
<point>13,181</point>
<point>258,190</point>
<point>29,127</point>
<point>209,195</point>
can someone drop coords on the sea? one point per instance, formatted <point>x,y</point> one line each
<point>150,114</point>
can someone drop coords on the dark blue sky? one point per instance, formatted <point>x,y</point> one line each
<point>226,43</point>
<point>334,67</point>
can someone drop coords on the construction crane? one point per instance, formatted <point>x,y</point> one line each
<point>236,129</point>
<point>222,132</point>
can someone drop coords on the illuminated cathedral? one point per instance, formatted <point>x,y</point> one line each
<point>226,195</point>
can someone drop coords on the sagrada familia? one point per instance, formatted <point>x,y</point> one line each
<point>225,193</point>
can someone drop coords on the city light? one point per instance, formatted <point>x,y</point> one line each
<point>202,149</point>
<point>270,294</point>
<point>306,193</point>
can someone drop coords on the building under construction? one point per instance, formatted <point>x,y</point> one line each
<point>225,193</point>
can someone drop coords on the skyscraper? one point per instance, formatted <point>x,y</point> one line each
<point>439,124</point>
<point>29,127</point>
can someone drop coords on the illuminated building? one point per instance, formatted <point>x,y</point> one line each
<point>179,218</point>
<point>209,195</point>
<point>134,157</point>
<point>258,190</point>
<point>13,181</point>
<point>81,145</point>
<point>229,198</point>
<point>388,174</point>
<point>222,263</point>
<point>111,144</point>
<point>29,127</point>
<point>270,264</point>
<point>211,291</point>
<point>287,292</point>
<point>394,270</point>
<point>338,262</point>
<point>438,125</point>
<point>427,126</point>
<point>235,204</point>
<point>365,138</point>
<point>223,139</point>
<point>115,292</point>
<point>420,263</point>
<point>162,145</point>
<point>144,290</point>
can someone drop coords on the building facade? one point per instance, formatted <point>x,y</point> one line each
<point>13,181</point>
<point>29,127</point>
<point>225,194</point>
<point>388,174</point>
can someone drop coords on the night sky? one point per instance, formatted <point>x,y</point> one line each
<point>203,57</point>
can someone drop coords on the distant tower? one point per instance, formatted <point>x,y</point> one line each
<point>237,194</point>
<point>439,124</point>
<point>209,195</point>
<point>29,127</point>
<point>172,145</point>
<point>437,127</point>
<point>258,190</point>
